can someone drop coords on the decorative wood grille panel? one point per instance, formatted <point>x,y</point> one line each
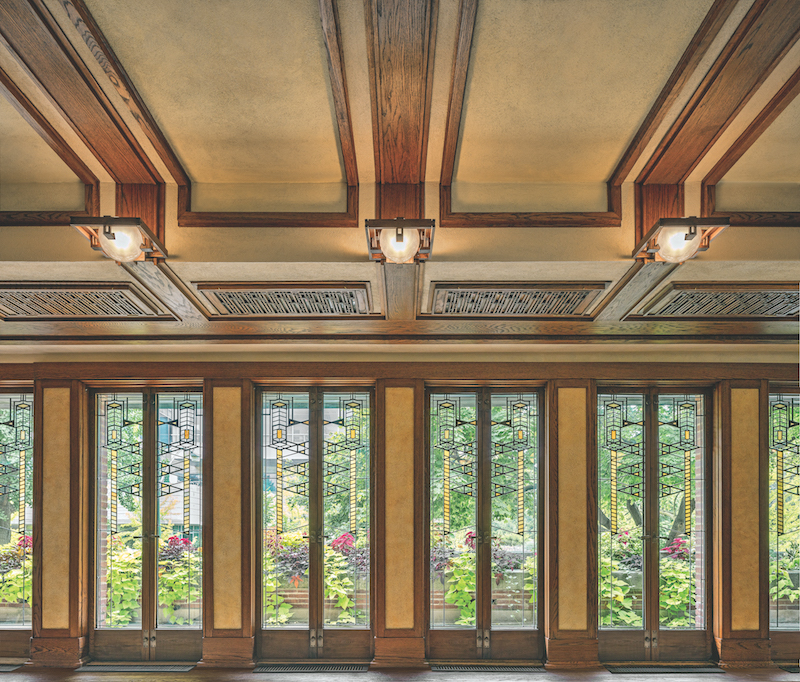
<point>732,301</point>
<point>293,300</point>
<point>72,301</point>
<point>513,299</point>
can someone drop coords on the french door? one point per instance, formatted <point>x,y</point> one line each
<point>148,526</point>
<point>315,588</point>
<point>485,524</point>
<point>653,516</point>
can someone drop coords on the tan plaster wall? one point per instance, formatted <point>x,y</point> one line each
<point>56,513</point>
<point>523,197</point>
<point>758,196</point>
<point>399,508</point>
<point>322,196</point>
<point>227,502</point>
<point>744,509</point>
<point>572,511</point>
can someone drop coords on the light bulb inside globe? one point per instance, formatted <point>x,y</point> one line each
<point>126,245</point>
<point>674,247</point>
<point>397,251</point>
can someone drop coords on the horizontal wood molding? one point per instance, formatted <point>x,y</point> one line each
<point>189,218</point>
<point>767,32</point>
<point>36,41</point>
<point>694,53</point>
<point>610,218</point>
<point>96,373</point>
<point>401,37</point>
<point>746,218</point>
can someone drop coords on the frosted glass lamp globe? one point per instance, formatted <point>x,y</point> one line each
<point>126,245</point>
<point>399,251</point>
<point>673,246</point>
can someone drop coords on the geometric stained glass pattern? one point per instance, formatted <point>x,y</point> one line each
<point>784,510</point>
<point>16,478</point>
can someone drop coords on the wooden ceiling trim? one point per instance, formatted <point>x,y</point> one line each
<point>458,83</point>
<point>401,37</point>
<point>698,47</point>
<point>96,41</point>
<point>448,218</point>
<point>348,218</point>
<point>764,120</point>
<point>746,218</point>
<point>35,40</point>
<point>329,16</point>
<point>147,202</point>
<point>769,30</point>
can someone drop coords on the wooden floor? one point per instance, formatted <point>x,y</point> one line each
<point>26,674</point>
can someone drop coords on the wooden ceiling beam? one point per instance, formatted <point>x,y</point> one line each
<point>401,37</point>
<point>768,31</point>
<point>34,38</point>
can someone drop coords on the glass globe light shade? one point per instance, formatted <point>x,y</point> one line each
<point>396,251</point>
<point>126,245</point>
<point>673,246</point>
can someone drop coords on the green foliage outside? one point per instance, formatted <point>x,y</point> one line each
<point>16,573</point>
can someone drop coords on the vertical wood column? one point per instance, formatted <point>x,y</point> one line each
<point>571,526</point>
<point>740,573</point>
<point>400,607</point>
<point>228,542</point>
<point>61,526</point>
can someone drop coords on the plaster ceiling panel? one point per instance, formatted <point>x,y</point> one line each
<point>240,88</point>
<point>32,176</point>
<point>556,90</point>
<point>775,155</point>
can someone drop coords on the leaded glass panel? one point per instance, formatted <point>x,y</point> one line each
<point>285,509</point>
<point>681,511</point>
<point>119,544</point>
<point>514,499</point>
<point>345,494</point>
<point>784,511</point>
<point>453,508</point>
<point>621,509</point>
<point>179,492</point>
<point>16,488</point>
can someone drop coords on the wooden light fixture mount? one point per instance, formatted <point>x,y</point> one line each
<point>647,250</point>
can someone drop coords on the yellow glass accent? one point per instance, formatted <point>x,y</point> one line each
<point>687,492</point>
<point>22,434</point>
<point>22,463</point>
<point>447,434</point>
<point>353,501</point>
<point>446,491</point>
<point>187,498</point>
<point>779,505</point>
<point>613,434</point>
<point>113,523</point>
<point>614,493</point>
<point>279,492</point>
<point>279,434</point>
<point>352,434</point>
<point>113,434</point>
<point>520,492</point>
<point>687,435</point>
<point>779,436</point>
<point>519,434</point>
<point>186,434</point>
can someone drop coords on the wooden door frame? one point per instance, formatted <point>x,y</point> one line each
<point>482,391</point>
<point>364,637</point>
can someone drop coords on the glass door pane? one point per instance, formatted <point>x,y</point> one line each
<point>16,489</point>
<point>784,513</point>
<point>119,535</point>
<point>515,504</point>
<point>681,505</point>
<point>453,509</point>
<point>621,510</point>
<point>285,510</point>
<point>179,491</point>
<point>346,509</point>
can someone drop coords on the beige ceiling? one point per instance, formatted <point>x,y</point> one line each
<point>556,90</point>
<point>240,88</point>
<point>32,176</point>
<point>775,155</point>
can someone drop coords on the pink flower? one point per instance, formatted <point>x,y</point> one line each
<point>25,541</point>
<point>344,541</point>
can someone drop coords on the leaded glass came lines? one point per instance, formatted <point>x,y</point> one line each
<point>784,511</point>
<point>16,488</point>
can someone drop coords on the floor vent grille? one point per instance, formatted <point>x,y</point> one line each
<point>501,299</point>
<point>439,668</point>
<point>662,669</point>
<point>134,668</point>
<point>296,300</point>
<point>312,668</point>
